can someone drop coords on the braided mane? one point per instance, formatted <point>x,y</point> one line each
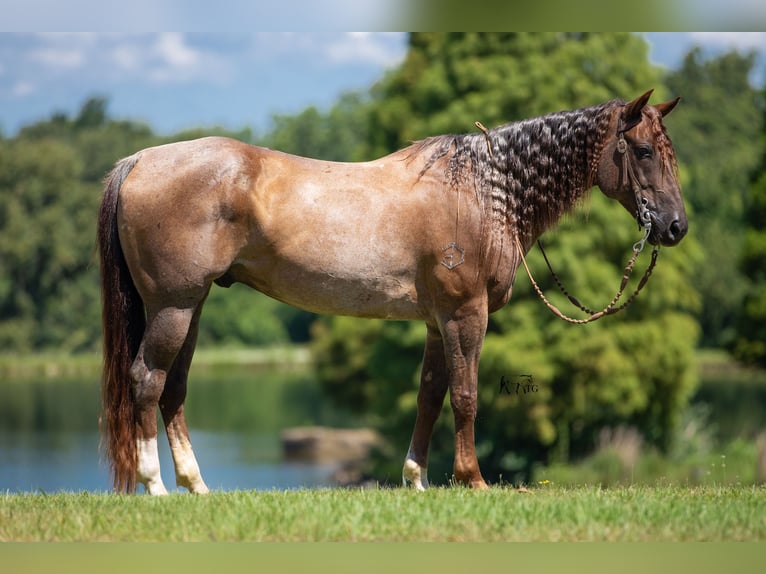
<point>664,144</point>
<point>537,170</point>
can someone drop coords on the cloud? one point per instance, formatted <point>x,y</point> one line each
<point>385,50</point>
<point>331,48</point>
<point>168,57</point>
<point>160,58</point>
<point>171,47</point>
<point>23,88</point>
<point>58,59</point>
<point>113,59</point>
<point>61,52</point>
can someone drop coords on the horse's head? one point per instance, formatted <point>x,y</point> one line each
<point>638,168</point>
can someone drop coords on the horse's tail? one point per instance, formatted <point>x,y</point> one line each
<point>122,323</point>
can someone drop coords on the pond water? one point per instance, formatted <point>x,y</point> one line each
<point>49,427</point>
<point>49,437</point>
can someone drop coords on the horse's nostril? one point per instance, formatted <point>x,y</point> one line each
<point>677,230</point>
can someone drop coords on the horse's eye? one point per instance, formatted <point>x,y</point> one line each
<point>644,152</point>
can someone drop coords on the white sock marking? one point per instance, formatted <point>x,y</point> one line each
<point>187,469</point>
<point>415,474</point>
<point>148,472</point>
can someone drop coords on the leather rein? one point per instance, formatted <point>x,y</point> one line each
<point>644,220</point>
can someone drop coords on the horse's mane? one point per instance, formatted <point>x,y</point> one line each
<point>527,174</point>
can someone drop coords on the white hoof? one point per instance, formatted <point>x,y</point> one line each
<point>156,488</point>
<point>414,474</point>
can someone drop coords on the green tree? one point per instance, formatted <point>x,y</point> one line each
<point>45,247</point>
<point>635,369</point>
<point>718,146</point>
<point>337,135</point>
<point>750,345</point>
<point>50,182</point>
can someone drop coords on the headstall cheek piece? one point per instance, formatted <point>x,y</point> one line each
<point>643,216</point>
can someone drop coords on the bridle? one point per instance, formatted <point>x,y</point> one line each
<point>644,219</point>
<point>643,216</point>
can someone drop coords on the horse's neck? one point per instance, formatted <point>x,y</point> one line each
<point>542,168</point>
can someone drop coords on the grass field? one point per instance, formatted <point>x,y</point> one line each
<point>668,513</point>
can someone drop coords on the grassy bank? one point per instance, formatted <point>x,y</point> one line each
<point>53,364</point>
<point>549,513</point>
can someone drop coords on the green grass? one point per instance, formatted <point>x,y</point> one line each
<point>549,513</point>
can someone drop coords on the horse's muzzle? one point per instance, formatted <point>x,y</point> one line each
<point>670,234</point>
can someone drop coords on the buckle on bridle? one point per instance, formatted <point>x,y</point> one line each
<point>622,145</point>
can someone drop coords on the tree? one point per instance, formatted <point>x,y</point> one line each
<point>718,147</point>
<point>44,246</point>
<point>338,135</point>
<point>630,370</point>
<point>750,345</point>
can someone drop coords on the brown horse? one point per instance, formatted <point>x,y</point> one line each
<point>429,233</point>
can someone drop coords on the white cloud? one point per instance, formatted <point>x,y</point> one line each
<point>173,50</point>
<point>62,52</point>
<point>59,59</point>
<point>23,88</point>
<point>380,49</point>
<point>126,57</point>
<point>168,57</point>
<point>366,47</point>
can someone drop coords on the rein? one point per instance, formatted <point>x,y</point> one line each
<point>644,219</point>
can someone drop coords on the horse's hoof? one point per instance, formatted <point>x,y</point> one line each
<point>414,474</point>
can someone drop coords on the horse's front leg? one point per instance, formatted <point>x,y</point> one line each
<point>433,388</point>
<point>463,335</point>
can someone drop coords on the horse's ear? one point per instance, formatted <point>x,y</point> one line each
<point>667,107</point>
<point>631,114</point>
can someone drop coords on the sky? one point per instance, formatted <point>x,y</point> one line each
<point>179,80</point>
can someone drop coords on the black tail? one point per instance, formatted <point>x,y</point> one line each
<point>122,322</point>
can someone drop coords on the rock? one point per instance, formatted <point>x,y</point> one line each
<point>328,445</point>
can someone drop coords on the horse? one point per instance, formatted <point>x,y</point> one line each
<point>433,232</point>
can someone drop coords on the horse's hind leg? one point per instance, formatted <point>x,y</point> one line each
<point>172,409</point>
<point>165,334</point>
<point>433,388</point>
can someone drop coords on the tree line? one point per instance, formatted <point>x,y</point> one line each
<point>636,370</point>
